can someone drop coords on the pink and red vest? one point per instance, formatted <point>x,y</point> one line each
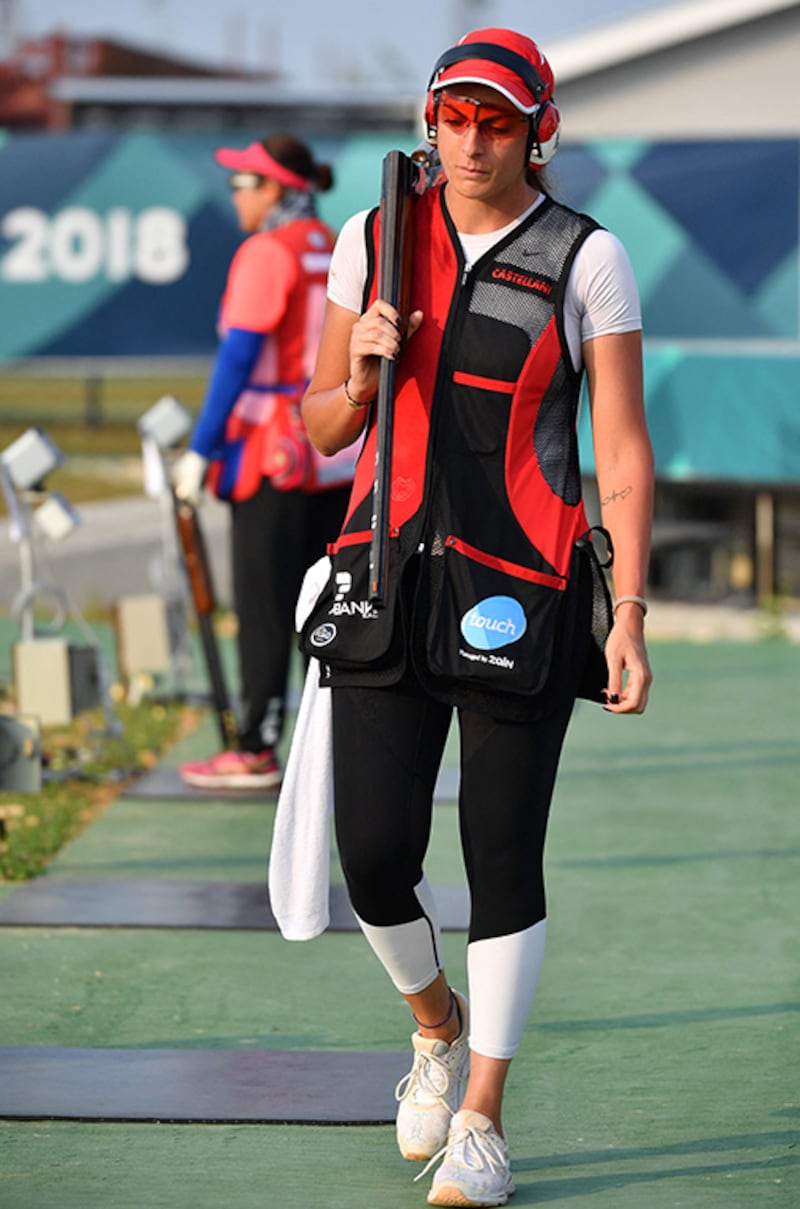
<point>264,435</point>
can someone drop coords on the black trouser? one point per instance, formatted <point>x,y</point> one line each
<point>276,536</point>
<point>388,744</point>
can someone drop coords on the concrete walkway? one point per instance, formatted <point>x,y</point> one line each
<point>121,547</point>
<point>670,621</point>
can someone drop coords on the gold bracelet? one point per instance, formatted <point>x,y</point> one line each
<point>637,600</point>
<point>351,402</point>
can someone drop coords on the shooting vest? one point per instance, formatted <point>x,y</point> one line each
<point>265,436</point>
<point>487,524</point>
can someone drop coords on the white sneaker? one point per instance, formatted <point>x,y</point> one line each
<point>432,1090</point>
<point>476,1169</point>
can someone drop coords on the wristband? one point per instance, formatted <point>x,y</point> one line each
<point>638,600</point>
<point>351,402</point>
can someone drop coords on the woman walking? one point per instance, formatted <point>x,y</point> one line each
<point>496,607</point>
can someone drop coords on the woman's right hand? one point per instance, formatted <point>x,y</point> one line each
<point>375,334</point>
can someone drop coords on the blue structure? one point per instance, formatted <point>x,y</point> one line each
<point>115,245</point>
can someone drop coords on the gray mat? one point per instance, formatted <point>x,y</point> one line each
<point>66,902</point>
<point>199,1085</point>
<point>164,783</point>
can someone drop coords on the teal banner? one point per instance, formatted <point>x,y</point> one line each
<point>732,417</point>
<point>117,245</point>
<point>712,230</point>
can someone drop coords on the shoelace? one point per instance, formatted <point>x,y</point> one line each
<point>478,1149</point>
<point>429,1073</point>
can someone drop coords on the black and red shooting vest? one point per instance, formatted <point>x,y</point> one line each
<point>486,514</point>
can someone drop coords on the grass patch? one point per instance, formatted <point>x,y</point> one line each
<point>74,439</point>
<point>99,464</point>
<point>90,480</point>
<point>100,402</point>
<point>93,479</point>
<point>93,421</point>
<point>84,769</point>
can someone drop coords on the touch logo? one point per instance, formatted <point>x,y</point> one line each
<point>494,622</point>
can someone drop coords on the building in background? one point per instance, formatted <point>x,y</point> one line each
<point>58,83</point>
<point>698,107</point>
<point>706,69</point>
<point>39,79</point>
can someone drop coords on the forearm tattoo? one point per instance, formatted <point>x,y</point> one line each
<point>618,495</point>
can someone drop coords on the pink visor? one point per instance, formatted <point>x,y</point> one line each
<point>255,159</point>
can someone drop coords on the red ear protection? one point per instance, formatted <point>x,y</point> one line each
<point>544,134</point>
<point>545,122</point>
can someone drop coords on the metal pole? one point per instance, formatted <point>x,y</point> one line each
<point>765,545</point>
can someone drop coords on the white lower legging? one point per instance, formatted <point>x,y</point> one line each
<point>502,973</point>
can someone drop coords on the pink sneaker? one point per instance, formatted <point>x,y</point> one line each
<point>234,770</point>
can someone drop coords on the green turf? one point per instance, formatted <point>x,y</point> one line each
<point>660,1065</point>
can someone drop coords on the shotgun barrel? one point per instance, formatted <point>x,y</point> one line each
<point>402,178</point>
<point>198,572</point>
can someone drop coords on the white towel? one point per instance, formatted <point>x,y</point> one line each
<point>299,861</point>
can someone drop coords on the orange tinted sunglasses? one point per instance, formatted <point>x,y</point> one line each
<point>493,121</point>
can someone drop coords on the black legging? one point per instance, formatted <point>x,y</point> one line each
<point>276,536</point>
<point>388,744</point>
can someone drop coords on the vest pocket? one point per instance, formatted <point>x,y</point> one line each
<point>344,628</point>
<point>492,623</point>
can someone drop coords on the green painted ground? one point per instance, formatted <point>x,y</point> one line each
<point>659,1068</point>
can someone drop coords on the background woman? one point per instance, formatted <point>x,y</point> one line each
<point>250,445</point>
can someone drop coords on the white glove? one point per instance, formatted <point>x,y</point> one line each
<point>188,474</point>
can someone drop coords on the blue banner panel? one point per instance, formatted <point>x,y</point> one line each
<point>118,245</point>
<point>711,417</point>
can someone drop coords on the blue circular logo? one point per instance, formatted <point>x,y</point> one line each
<point>494,622</point>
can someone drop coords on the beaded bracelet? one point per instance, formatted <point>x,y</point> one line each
<point>351,402</point>
<point>639,600</point>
